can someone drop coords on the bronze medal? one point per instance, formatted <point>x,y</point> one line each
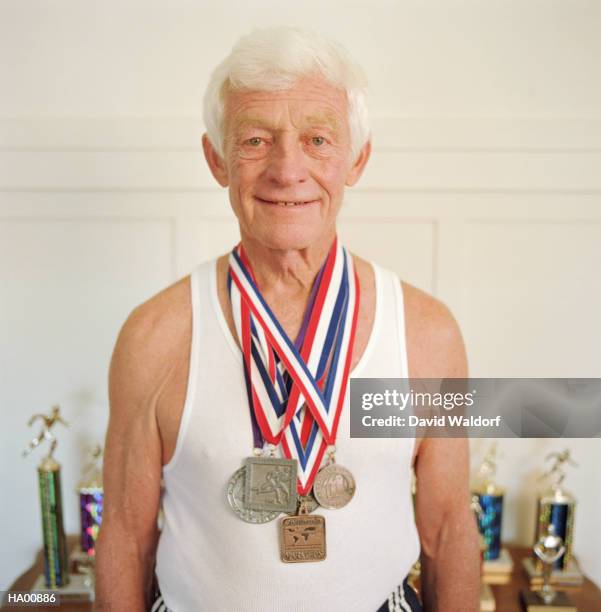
<point>303,537</point>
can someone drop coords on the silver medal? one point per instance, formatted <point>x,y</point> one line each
<point>271,484</point>
<point>334,486</point>
<point>235,497</point>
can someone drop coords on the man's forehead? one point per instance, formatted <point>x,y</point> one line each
<point>271,118</point>
<point>304,103</point>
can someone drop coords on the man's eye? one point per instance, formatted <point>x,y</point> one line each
<point>254,142</point>
<point>318,141</point>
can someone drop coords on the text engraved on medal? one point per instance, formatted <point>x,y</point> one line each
<point>334,486</point>
<point>271,484</point>
<point>235,496</point>
<point>303,538</point>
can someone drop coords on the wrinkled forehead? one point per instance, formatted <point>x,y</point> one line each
<point>309,102</point>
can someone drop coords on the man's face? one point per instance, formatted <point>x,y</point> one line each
<point>287,159</point>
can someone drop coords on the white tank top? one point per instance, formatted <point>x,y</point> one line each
<point>210,560</point>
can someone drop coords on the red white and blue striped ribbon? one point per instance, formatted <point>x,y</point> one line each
<point>296,390</point>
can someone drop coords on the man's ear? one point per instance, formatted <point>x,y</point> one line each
<point>356,170</point>
<point>215,161</point>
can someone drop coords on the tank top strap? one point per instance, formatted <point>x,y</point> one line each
<point>390,307</point>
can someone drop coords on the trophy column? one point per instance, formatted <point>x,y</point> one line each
<point>56,563</point>
<point>91,497</point>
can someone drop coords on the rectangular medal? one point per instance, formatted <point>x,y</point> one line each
<point>271,484</point>
<point>303,538</point>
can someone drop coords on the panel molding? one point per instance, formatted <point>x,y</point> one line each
<point>391,133</point>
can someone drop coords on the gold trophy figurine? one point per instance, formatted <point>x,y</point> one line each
<point>556,474</point>
<point>46,431</point>
<point>56,567</point>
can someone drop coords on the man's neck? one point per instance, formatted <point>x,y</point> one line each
<point>286,270</point>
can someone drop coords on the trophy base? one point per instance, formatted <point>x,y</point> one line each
<point>487,599</point>
<point>78,589</point>
<point>533,603</point>
<point>498,571</point>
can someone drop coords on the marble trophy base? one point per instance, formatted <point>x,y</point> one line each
<point>487,599</point>
<point>532,602</point>
<point>498,571</point>
<point>79,588</point>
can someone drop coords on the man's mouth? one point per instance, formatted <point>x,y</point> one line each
<point>286,204</point>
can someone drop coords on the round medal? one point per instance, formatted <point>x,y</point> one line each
<point>334,486</point>
<point>235,497</point>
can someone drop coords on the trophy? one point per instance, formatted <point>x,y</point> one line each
<point>548,549</point>
<point>490,501</point>
<point>91,501</point>
<point>556,507</point>
<point>56,569</point>
<point>487,599</point>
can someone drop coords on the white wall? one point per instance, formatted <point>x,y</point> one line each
<point>484,188</point>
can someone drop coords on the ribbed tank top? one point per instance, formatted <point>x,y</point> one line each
<point>208,559</point>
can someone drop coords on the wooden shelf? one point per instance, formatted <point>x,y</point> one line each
<point>587,598</point>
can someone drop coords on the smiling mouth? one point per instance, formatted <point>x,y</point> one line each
<point>286,204</point>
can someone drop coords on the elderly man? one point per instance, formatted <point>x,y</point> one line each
<point>232,384</point>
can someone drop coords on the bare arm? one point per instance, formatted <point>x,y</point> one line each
<point>132,471</point>
<point>450,558</point>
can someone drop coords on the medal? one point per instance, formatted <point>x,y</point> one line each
<point>296,393</point>
<point>235,497</point>
<point>334,486</point>
<point>270,484</point>
<point>303,537</point>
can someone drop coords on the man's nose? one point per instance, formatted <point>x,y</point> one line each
<point>287,164</point>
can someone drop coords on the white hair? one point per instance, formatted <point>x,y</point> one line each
<point>276,58</point>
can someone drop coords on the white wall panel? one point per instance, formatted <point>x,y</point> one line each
<point>66,286</point>
<point>534,289</point>
<point>406,246</point>
<point>202,239</point>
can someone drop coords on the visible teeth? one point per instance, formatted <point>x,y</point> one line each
<point>281,203</point>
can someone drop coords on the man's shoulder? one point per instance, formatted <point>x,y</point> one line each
<point>164,313</point>
<point>426,313</point>
<point>156,329</point>
<point>434,341</point>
